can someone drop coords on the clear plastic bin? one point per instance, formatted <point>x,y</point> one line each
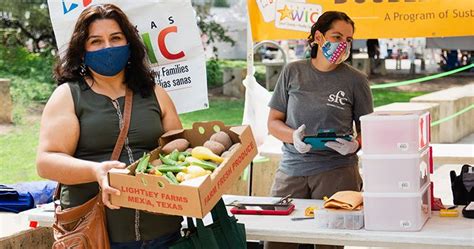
<point>395,132</point>
<point>396,172</point>
<point>397,211</point>
<point>339,219</point>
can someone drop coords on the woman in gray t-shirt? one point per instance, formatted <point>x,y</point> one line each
<point>321,93</point>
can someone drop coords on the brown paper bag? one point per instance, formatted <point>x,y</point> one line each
<point>349,200</point>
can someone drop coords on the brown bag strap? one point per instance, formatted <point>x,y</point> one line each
<point>121,138</point>
<point>126,124</point>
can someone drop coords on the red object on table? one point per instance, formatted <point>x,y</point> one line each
<point>436,203</point>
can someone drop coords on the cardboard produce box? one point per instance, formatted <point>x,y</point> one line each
<point>194,197</point>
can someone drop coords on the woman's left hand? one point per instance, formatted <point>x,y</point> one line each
<point>343,146</point>
<point>101,174</point>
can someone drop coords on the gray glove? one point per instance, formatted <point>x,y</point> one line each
<point>300,146</point>
<point>343,146</point>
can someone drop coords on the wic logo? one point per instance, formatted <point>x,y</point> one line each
<point>74,5</point>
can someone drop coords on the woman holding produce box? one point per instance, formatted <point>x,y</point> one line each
<point>317,94</point>
<point>82,120</point>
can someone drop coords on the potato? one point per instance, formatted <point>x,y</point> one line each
<point>226,154</point>
<point>179,144</point>
<point>156,162</point>
<point>233,147</point>
<point>216,147</point>
<point>230,151</point>
<point>222,138</point>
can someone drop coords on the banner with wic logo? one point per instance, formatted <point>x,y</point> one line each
<point>169,31</point>
<point>292,19</point>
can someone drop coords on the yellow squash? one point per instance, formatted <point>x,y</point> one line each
<point>203,153</point>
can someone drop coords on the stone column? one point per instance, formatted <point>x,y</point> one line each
<point>5,102</point>
<point>233,78</point>
<point>272,72</point>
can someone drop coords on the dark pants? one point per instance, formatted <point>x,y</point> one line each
<point>159,243</point>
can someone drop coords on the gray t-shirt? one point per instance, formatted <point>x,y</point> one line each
<point>320,100</point>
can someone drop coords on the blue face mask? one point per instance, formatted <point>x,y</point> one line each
<point>108,61</point>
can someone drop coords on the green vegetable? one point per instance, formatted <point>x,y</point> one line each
<point>171,177</point>
<point>205,165</point>
<point>174,155</point>
<point>142,165</point>
<point>186,164</point>
<point>167,178</point>
<point>149,167</point>
<point>168,161</point>
<point>170,168</point>
<point>186,153</point>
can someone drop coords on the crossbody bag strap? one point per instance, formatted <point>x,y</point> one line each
<point>126,124</point>
<point>121,138</point>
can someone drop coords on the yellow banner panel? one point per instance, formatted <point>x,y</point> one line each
<point>292,19</point>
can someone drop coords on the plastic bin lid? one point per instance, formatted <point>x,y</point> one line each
<point>393,115</point>
<point>396,156</point>
<point>397,195</point>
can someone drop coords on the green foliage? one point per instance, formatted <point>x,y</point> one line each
<point>19,61</point>
<point>24,90</point>
<point>24,22</point>
<point>221,3</point>
<point>211,31</point>
<point>30,74</point>
<point>214,73</point>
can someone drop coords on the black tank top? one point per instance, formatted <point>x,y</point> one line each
<point>100,121</point>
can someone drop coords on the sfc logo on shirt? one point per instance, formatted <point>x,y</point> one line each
<point>337,100</point>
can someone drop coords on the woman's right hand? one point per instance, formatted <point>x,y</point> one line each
<point>298,135</point>
<point>101,172</point>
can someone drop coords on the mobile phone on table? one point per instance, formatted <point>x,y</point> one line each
<point>263,209</point>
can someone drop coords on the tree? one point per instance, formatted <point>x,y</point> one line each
<point>211,31</point>
<point>26,23</point>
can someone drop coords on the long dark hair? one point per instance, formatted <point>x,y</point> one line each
<point>323,24</point>
<point>138,75</point>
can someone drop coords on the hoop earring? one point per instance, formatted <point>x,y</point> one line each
<point>83,70</point>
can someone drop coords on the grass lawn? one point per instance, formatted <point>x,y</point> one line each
<point>18,148</point>
<point>228,111</point>
<point>384,96</point>
<point>18,153</point>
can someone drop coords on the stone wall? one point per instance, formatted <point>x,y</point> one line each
<point>39,238</point>
<point>5,102</point>
<point>450,101</point>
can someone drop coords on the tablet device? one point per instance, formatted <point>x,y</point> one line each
<point>317,142</point>
<point>264,209</point>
